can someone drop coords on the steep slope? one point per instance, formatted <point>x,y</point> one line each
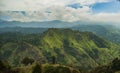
<point>83,49</point>
<point>73,48</point>
<point>109,32</point>
<point>16,52</point>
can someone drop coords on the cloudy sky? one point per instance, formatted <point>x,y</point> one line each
<point>64,10</point>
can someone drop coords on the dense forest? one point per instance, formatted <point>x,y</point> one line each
<point>58,51</point>
<point>35,67</point>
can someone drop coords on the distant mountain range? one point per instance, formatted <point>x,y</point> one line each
<point>109,32</point>
<point>105,30</point>
<point>46,24</point>
<point>50,24</point>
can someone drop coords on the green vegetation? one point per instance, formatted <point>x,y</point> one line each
<point>27,61</point>
<point>83,50</point>
<point>4,65</point>
<point>109,32</point>
<point>37,68</point>
<point>112,67</point>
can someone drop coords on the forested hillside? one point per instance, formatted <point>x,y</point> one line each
<point>73,48</point>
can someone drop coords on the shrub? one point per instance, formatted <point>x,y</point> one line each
<point>27,61</point>
<point>4,65</point>
<point>37,68</point>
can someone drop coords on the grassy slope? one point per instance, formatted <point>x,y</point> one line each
<point>109,32</point>
<point>83,49</point>
<point>15,52</point>
<point>77,48</point>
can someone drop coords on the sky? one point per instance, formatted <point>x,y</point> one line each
<point>63,10</point>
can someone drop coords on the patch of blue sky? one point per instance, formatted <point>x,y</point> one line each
<point>107,7</point>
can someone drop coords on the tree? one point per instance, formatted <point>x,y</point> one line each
<point>53,60</point>
<point>4,65</point>
<point>27,61</point>
<point>115,64</point>
<point>37,68</point>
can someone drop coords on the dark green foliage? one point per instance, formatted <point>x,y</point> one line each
<point>56,69</point>
<point>113,67</point>
<point>54,60</point>
<point>4,65</point>
<point>37,68</point>
<point>27,61</point>
<point>99,41</point>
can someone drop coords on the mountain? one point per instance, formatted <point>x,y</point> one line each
<point>23,30</point>
<point>110,32</point>
<point>73,48</point>
<point>46,24</point>
<point>16,52</point>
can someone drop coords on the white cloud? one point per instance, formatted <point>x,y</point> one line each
<point>106,17</point>
<point>46,10</point>
<point>51,13</point>
<point>36,5</point>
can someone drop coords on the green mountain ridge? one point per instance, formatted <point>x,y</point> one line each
<point>109,32</point>
<point>16,52</point>
<point>78,47</point>
<point>74,48</point>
